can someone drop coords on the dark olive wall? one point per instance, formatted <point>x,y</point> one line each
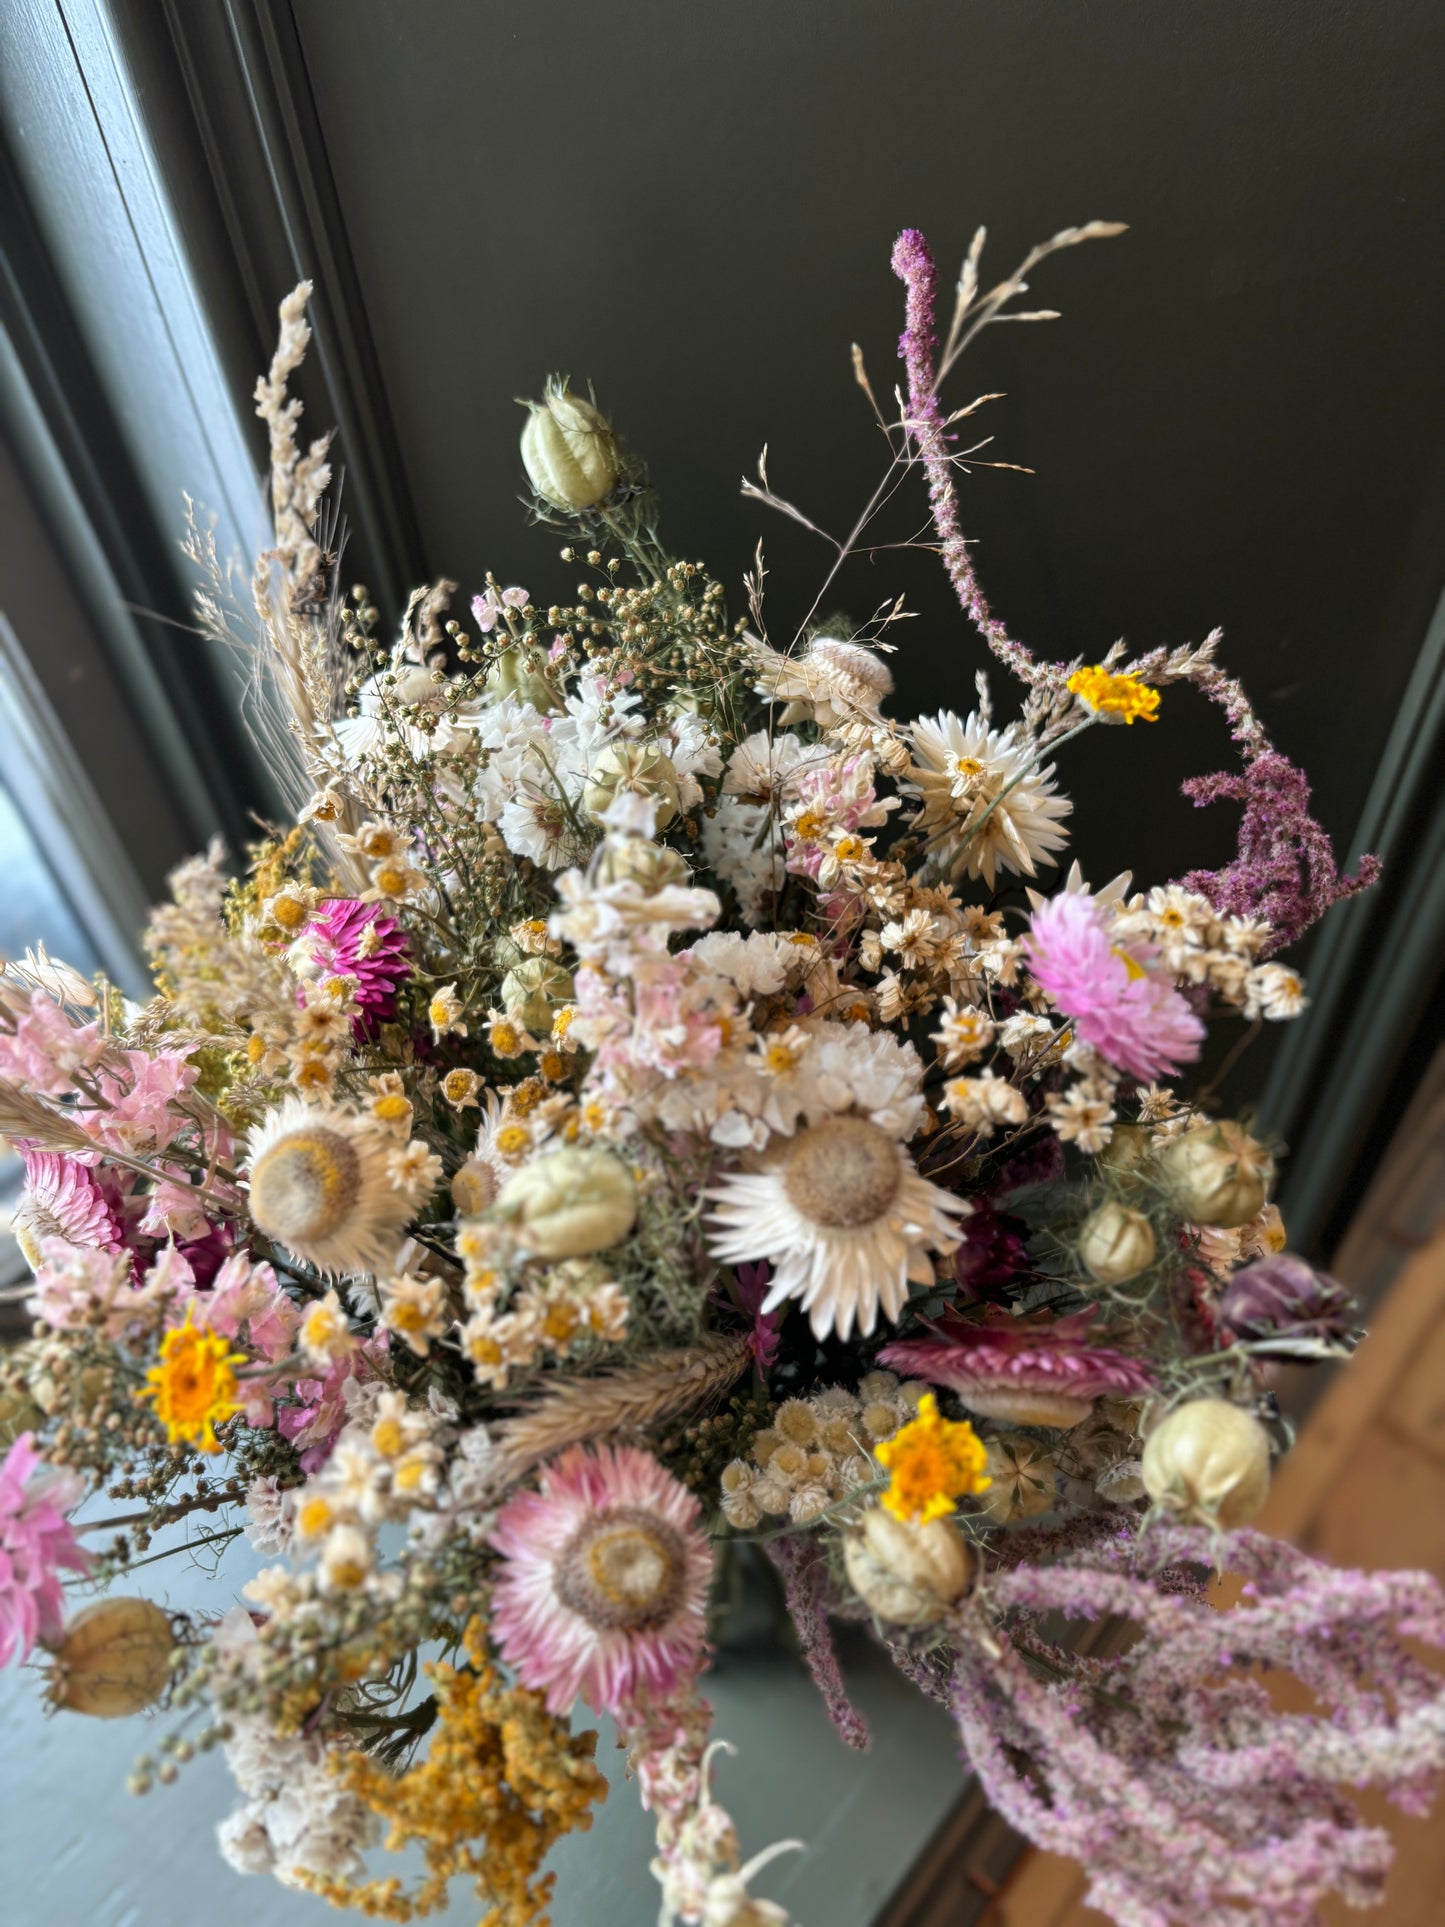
<point>1238,421</point>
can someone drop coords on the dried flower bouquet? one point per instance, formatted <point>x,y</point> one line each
<point>645,1100</point>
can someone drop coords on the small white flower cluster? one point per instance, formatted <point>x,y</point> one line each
<point>816,1451</point>
<point>1199,946</point>
<point>387,1461</point>
<point>514,1330</point>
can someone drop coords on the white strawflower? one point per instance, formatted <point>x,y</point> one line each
<point>845,1221</point>
<point>979,806</point>
<point>320,1186</point>
<point>831,682</point>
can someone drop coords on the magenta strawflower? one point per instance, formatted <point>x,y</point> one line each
<point>604,1589</point>
<point>1130,1012</point>
<point>350,939</point>
<point>35,1542</point>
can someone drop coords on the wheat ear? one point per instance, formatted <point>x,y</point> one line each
<point>628,1401</point>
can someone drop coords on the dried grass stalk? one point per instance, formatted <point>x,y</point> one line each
<point>624,1402</point>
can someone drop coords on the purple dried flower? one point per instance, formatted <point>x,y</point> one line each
<point>993,1249</point>
<point>804,1572</point>
<point>1285,868</point>
<point>1283,1301</point>
<point>1166,1768</point>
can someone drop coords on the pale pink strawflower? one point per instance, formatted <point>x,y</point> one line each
<point>604,1590</point>
<point>1129,1011</point>
<point>35,1541</point>
<point>62,1199</point>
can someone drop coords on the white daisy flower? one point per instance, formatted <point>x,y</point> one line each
<point>845,1221</point>
<point>1275,991</point>
<point>971,775</point>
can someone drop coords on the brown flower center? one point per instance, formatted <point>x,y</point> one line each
<point>623,1570</point>
<point>843,1173</point>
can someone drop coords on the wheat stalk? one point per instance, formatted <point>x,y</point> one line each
<point>629,1401</point>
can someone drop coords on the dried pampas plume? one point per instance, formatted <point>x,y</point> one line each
<point>616,1404</point>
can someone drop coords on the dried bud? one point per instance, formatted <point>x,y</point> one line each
<point>636,859</point>
<point>518,673</point>
<point>1025,1479</point>
<point>1116,1243</point>
<point>113,1659</point>
<point>1284,1303</point>
<point>533,990</point>
<point>568,449</point>
<point>909,1574</point>
<point>570,1203</point>
<point>643,769</point>
<point>1209,1461</point>
<point>1122,1482</point>
<point>1218,1175</point>
<point>1129,1145</point>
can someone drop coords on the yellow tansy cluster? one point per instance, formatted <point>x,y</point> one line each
<point>194,1385</point>
<point>933,1463</point>
<point>1121,698</point>
<point>501,1782</point>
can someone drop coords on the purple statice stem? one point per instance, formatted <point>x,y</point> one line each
<point>1285,869</point>
<point>800,1562</point>
<point>914,265</point>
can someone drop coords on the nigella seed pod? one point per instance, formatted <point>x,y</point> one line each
<point>113,1659</point>
<point>1209,1462</point>
<point>1116,1243</point>
<point>908,1573</point>
<point>636,859</point>
<point>570,1203</point>
<point>1281,1301</point>
<point>518,673</point>
<point>1218,1176</point>
<point>1024,1479</point>
<point>532,992</point>
<point>568,449</point>
<point>638,769</point>
<point>1129,1146</point>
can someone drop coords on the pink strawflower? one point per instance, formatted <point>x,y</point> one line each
<point>62,1199</point>
<point>35,1541</point>
<point>1026,1371</point>
<point>350,939</point>
<point>1129,1011</point>
<point>604,1590</point>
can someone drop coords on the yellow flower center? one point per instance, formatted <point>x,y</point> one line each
<point>314,1517</point>
<point>780,1058</point>
<point>255,1048</point>
<point>1123,696</point>
<point>289,913</point>
<point>807,826</point>
<point>194,1385</point>
<point>506,1039</point>
<point>387,1437</point>
<point>457,1086</point>
<point>392,1108</point>
<point>932,1463</point>
<point>849,849</point>
<point>391,880</point>
<point>967,766</point>
<point>512,1140</point>
<point>552,1065</point>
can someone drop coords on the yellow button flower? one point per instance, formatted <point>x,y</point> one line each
<point>933,1463</point>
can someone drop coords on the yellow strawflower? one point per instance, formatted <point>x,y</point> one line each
<point>194,1385</point>
<point>934,1462</point>
<point>1120,698</point>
